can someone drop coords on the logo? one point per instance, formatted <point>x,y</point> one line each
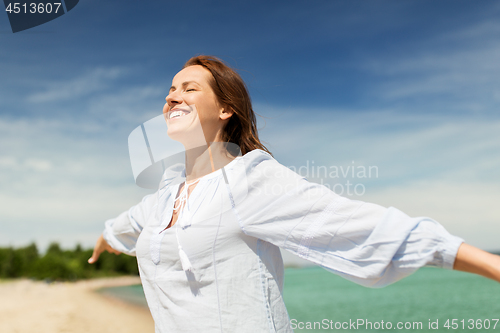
<point>28,14</point>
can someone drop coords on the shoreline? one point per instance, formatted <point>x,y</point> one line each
<point>70,307</point>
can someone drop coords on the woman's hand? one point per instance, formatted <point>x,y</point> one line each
<point>473,260</point>
<point>99,248</point>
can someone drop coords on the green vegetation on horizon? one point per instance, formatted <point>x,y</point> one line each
<point>62,265</point>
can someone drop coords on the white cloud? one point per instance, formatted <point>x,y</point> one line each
<point>133,105</point>
<point>37,164</point>
<point>93,81</point>
<point>8,162</point>
<point>460,67</point>
<point>399,143</point>
<point>55,179</point>
<point>68,213</point>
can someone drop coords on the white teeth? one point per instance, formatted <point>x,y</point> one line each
<point>177,114</point>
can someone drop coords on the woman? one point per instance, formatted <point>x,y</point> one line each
<point>208,245</point>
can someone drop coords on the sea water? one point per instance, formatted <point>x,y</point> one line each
<point>426,301</point>
<point>132,294</point>
<point>431,300</point>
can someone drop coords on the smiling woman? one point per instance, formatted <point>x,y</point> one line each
<point>207,242</point>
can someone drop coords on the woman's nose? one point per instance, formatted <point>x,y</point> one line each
<point>173,98</point>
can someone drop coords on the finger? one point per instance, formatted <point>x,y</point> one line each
<point>95,256</point>
<point>96,253</point>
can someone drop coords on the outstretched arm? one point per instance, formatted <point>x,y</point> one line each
<point>473,260</point>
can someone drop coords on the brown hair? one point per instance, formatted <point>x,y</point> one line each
<point>232,93</point>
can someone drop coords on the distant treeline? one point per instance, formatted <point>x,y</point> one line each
<point>58,264</point>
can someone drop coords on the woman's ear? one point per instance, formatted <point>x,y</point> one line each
<point>225,113</point>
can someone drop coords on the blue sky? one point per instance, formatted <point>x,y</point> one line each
<point>410,87</point>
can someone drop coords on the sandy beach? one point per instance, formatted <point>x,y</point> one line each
<point>70,307</point>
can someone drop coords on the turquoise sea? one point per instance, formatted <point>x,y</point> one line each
<point>426,301</point>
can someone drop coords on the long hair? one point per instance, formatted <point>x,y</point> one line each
<point>232,93</point>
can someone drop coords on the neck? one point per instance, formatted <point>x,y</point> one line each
<point>201,161</point>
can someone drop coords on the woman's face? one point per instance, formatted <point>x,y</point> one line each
<point>193,113</point>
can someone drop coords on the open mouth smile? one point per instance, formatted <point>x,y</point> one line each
<point>177,113</point>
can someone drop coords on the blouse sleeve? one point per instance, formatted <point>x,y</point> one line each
<point>122,232</point>
<point>363,242</point>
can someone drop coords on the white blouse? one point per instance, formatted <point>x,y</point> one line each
<point>230,278</point>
